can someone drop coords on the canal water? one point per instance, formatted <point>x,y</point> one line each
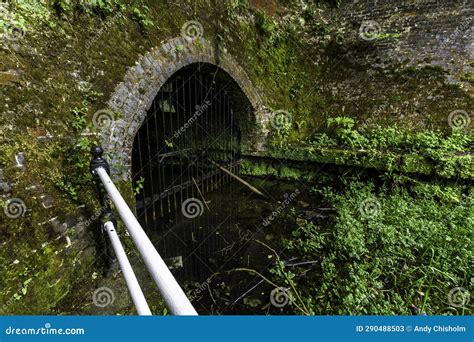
<point>221,250</point>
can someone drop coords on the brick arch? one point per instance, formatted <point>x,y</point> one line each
<point>134,96</point>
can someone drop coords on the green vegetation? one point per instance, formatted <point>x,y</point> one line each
<point>73,54</point>
<point>141,16</point>
<point>139,186</point>
<point>387,248</point>
<point>27,15</point>
<point>468,77</point>
<point>103,7</point>
<point>385,148</point>
<point>66,69</point>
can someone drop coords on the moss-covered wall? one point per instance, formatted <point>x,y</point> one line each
<point>60,61</point>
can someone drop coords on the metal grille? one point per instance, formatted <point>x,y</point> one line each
<point>190,134</point>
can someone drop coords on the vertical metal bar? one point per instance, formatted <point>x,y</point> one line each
<point>189,130</point>
<point>229,149</point>
<point>195,142</point>
<point>224,134</point>
<point>215,154</point>
<point>168,117</point>
<point>208,91</point>
<point>150,167</point>
<point>196,126</point>
<point>216,132</point>
<point>201,126</point>
<point>229,143</point>
<point>229,134</point>
<point>232,144</point>
<point>231,162</point>
<point>181,97</point>
<point>158,151</point>
<point>238,150</point>
<point>182,142</point>
<point>213,131</point>
<point>140,159</point>
<point>199,123</point>
<point>163,149</point>
<point>173,169</point>
<point>203,92</point>
<point>208,170</point>
<point>172,166</point>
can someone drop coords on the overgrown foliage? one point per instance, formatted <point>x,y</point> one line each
<point>448,154</point>
<point>28,15</point>
<point>408,250</point>
<point>59,31</point>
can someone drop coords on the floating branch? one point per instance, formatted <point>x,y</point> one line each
<point>200,193</point>
<point>254,189</point>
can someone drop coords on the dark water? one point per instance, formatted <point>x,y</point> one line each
<point>231,233</point>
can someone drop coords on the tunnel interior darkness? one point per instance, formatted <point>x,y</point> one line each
<point>183,156</point>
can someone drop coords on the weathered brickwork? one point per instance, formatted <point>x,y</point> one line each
<point>134,96</point>
<point>425,32</point>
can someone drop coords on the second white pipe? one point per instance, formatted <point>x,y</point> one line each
<point>132,283</point>
<point>173,295</point>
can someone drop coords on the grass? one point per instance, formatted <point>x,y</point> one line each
<point>389,250</point>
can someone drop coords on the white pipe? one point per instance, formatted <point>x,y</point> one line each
<point>132,283</point>
<point>173,295</point>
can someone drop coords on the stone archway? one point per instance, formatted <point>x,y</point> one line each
<point>134,96</point>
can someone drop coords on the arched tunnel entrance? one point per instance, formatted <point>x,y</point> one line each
<point>183,156</point>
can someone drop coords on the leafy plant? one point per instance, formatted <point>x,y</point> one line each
<point>104,7</point>
<point>64,185</point>
<point>63,6</point>
<point>80,113</point>
<point>447,154</point>
<point>140,14</point>
<point>411,251</point>
<point>139,186</point>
